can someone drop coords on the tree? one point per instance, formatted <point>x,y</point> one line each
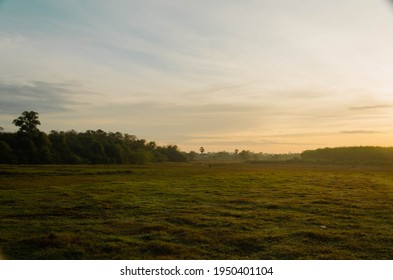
<point>97,152</point>
<point>245,155</point>
<point>173,153</point>
<point>192,155</point>
<point>28,123</point>
<point>5,152</point>
<point>202,150</point>
<point>236,153</point>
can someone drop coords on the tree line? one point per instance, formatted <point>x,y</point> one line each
<point>243,155</point>
<point>361,154</point>
<point>31,146</point>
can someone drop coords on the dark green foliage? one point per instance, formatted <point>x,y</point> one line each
<point>71,147</point>
<point>32,146</point>
<point>367,154</point>
<point>26,149</point>
<point>172,153</point>
<point>28,123</point>
<point>5,152</point>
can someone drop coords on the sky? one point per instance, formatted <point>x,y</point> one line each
<point>272,76</point>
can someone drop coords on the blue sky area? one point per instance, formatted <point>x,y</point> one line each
<point>268,76</point>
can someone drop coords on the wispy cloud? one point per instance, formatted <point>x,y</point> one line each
<point>360,132</point>
<point>169,117</point>
<point>177,69</point>
<point>378,106</point>
<point>39,96</point>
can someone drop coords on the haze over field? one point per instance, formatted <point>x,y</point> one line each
<point>271,76</point>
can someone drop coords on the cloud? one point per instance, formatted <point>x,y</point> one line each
<point>360,132</point>
<point>217,89</point>
<point>174,107</point>
<point>38,96</point>
<point>173,121</point>
<point>380,106</point>
<point>173,70</point>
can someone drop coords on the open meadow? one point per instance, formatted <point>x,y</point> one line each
<point>196,211</point>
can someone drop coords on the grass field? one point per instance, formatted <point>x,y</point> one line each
<point>196,211</point>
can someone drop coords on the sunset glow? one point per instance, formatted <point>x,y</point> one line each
<point>267,76</point>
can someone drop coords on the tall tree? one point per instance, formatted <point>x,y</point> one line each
<point>28,123</point>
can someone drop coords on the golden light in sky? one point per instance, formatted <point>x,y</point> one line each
<point>270,76</point>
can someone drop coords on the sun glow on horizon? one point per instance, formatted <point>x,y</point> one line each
<point>266,76</point>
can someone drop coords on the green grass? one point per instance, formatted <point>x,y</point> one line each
<point>196,211</point>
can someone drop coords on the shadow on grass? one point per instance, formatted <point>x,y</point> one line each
<point>50,246</point>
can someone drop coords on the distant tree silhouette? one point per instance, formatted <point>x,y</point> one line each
<point>202,150</point>
<point>192,155</point>
<point>28,123</point>
<point>31,146</point>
